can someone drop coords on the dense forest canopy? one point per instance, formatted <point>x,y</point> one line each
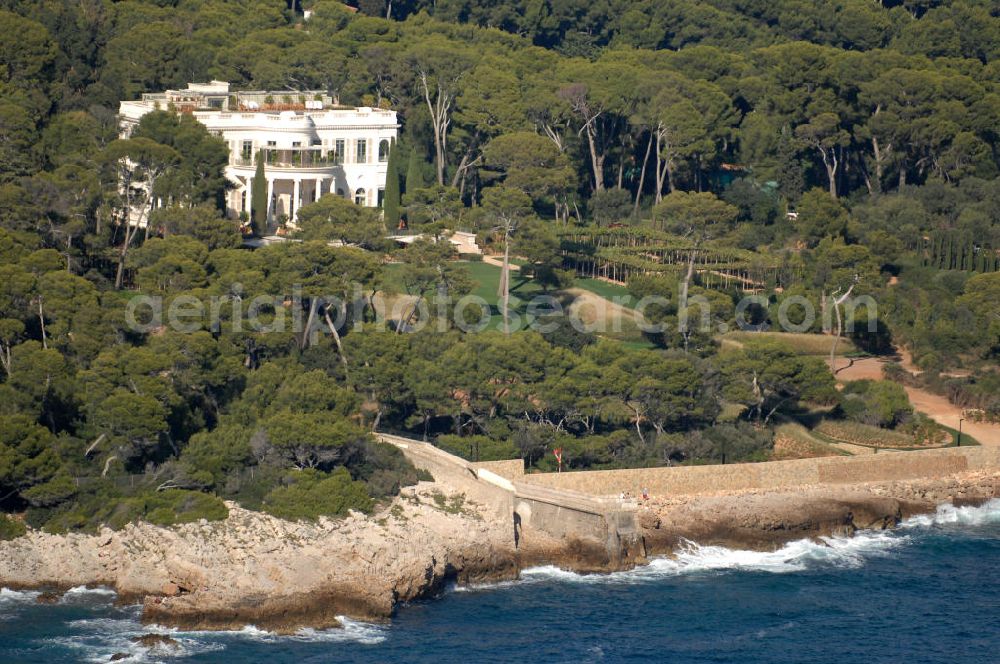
<point>800,147</point>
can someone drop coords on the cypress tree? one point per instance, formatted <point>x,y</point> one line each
<point>260,202</point>
<point>390,203</point>
<point>414,173</point>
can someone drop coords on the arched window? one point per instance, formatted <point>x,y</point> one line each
<point>359,197</point>
<point>383,150</point>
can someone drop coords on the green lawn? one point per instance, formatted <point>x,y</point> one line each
<point>967,440</point>
<point>487,278</point>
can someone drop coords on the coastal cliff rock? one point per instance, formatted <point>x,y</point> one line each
<point>256,569</point>
<point>281,576</point>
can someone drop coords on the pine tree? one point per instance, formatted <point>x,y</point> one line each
<point>260,202</point>
<point>414,172</point>
<point>791,174</point>
<point>390,203</point>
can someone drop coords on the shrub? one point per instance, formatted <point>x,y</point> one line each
<point>926,432</point>
<point>722,443</point>
<point>53,492</point>
<point>11,528</point>
<point>877,341</point>
<point>561,331</point>
<point>103,504</point>
<point>167,508</point>
<point>250,491</point>
<point>385,469</point>
<point>477,448</point>
<point>311,494</point>
<point>879,403</point>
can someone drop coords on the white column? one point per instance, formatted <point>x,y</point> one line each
<point>318,187</point>
<point>270,197</point>
<point>248,208</point>
<point>296,188</point>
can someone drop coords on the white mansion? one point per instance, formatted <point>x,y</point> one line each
<point>311,144</point>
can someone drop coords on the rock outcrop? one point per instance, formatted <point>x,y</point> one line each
<point>767,519</point>
<point>256,569</point>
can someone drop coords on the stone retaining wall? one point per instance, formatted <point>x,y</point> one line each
<point>772,475</point>
<point>512,469</point>
<point>561,514</point>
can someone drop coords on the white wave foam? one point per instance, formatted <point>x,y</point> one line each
<point>97,639</point>
<point>948,514</point>
<point>8,596</point>
<point>100,647</point>
<point>692,558</point>
<point>351,630</point>
<point>844,552</point>
<point>483,587</point>
<point>9,599</point>
<point>85,593</point>
<point>794,556</point>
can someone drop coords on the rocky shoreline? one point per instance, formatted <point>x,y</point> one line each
<point>282,576</point>
<point>767,519</point>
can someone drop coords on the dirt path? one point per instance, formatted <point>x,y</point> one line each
<point>498,261</point>
<point>856,450</point>
<point>594,309</point>
<point>936,406</point>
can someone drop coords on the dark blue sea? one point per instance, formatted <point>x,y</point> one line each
<point>927,592</point>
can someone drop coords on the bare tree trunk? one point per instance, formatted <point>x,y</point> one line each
<point>836,336</point>
<point>439,110</point>
<point>505,281</point>
<point>831,163</point>
<point>596,160</point>
<point>41,321</point>
<point>120,272</point>
<point>836,340</point>
<point>683,297</point>
<point>130,230</point>
<point>659,173</point>
<point>868,180</point>
<point>638,429</point>
<point>554,136</point>
<point>880,156</point>
<point>466,163</point>
<point>336,337</point>
<point>313,304</point>
<point>642,174</point>
<point>5,358</point>
<point>107,465</point>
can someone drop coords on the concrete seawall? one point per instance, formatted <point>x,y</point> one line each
<point>577,518</point>
<point>545,521</point>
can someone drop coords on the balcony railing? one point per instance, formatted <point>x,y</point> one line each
<point>292,158</point>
